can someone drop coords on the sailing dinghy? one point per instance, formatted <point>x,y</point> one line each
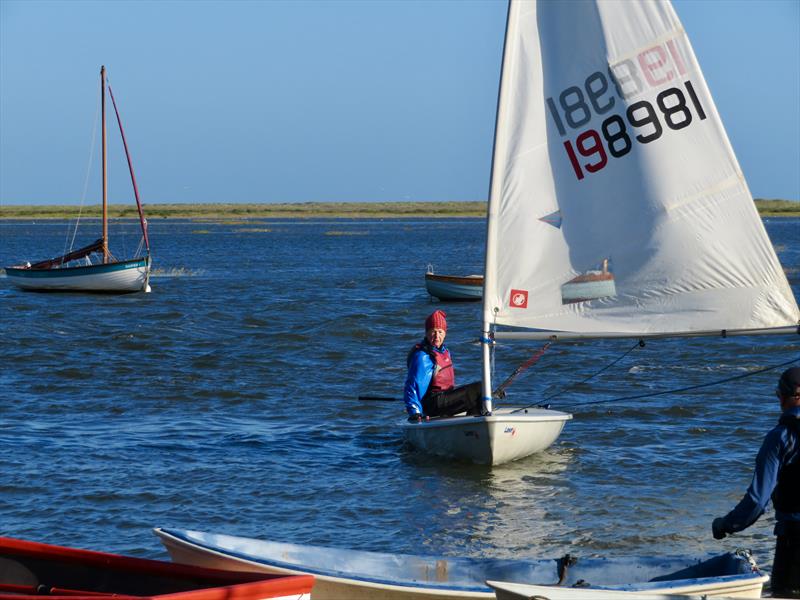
<point>76,270</point>
<point>609,150</point>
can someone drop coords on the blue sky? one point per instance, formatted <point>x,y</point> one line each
<point>273,101</point>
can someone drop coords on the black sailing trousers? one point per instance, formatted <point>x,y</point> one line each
<point>464,398</point>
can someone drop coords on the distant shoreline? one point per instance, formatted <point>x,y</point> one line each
<point>306,210</point>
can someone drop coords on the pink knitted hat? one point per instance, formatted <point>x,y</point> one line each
<point>437,320</point>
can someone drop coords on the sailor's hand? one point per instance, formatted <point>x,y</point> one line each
<point>415,418</point>
<point>718,528</point>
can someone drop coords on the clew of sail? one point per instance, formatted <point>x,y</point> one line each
<point>617,205</point>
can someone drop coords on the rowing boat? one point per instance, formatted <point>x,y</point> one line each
<point>454,287</point>
<point>355,574</point>
<point>29,570</point>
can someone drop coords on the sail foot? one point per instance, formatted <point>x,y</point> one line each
<point>51,263</point>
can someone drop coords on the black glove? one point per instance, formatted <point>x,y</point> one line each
<point>718,528</point>
<point>415,418</point>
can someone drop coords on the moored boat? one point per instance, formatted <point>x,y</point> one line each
<point>592,285</point>
<point>353,574</point>
<point>93,268</point>
<point>32,569</point>
<point>454,287</point>
<point>119,276</point>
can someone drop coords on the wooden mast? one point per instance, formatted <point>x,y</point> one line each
<point>105,179</point>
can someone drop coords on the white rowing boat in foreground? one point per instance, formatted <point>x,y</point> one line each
<point>352,574</point>
<point>609,151</point>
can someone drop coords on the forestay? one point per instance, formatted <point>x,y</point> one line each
<point>617,204</point>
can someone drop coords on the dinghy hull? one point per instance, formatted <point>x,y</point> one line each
<point>117,277</point>
<point>494,440</point>
<point>449,287</point>
<point>353,574</point>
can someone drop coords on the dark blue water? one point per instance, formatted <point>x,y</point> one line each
<point>226,401</point>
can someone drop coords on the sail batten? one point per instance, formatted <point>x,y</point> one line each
<point>617,207</point>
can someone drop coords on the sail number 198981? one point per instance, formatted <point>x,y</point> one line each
<point>675,107</point>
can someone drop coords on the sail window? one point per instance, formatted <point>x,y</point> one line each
<point>597,282</point>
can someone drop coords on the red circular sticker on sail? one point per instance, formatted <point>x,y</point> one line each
<point>519,299</point>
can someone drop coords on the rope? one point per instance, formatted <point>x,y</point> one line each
<point>500,391</point>
<point>692,387</point>
<point>639,344</point>
<point>92,146</point>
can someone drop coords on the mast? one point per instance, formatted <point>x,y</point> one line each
<point>494,195</point>
<point>105,178</point>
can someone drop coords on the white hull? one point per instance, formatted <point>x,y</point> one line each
<point>494,440</point>
<point>132,276</point>
<point>521,591</point>
<point>699,591</point>
<point>355,575</point>
<point>446,287</point>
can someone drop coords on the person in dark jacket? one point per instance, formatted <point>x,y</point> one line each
<point>430,389</point>
<point>776,476</point>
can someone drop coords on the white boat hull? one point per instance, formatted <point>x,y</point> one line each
<point>353,574</point>
<point>494,440</point>
<point>720,587</point>
<point>447,287</point>
<point>521,591</point>
<point>119,277</point>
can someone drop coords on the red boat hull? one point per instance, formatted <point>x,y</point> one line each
<point>30,569</point>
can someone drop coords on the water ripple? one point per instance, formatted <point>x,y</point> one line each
<point>226,400</point>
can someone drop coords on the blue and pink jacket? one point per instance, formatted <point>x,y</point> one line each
<point>430,370</point>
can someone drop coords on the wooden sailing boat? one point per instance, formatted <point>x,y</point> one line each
<point>76,270</point>
<point>453,287</point>
<point>609,149</point>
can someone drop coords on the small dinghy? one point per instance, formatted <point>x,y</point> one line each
<point>354,574</point>
<point>454,287</point>
<point>31,570</point>
<point>617,208</point>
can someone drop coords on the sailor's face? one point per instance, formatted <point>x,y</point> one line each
<point>436,337</point>
<point>787,402</point>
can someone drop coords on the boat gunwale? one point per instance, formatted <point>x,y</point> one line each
<point>10,547</point>
<point>325,575</point>
<point>470,280</point>
<point>120,265</point>
<point>468,420</point>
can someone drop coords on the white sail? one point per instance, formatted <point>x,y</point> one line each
<point>617,204</point>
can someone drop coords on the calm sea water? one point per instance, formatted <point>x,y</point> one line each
<point>226,401</point>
